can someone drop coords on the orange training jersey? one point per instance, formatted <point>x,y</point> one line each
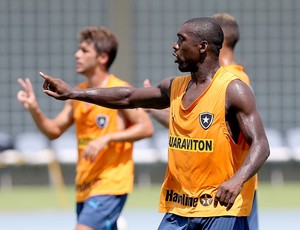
<point>238,70</point>
<point>202,155</point>
<point>112,172</point>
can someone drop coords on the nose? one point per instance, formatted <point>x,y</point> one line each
<point>76,55</point>
<point>175,46</point>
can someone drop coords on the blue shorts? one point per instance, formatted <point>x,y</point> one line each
<point>101,212</point>
<point>175,222</point>
<point>253,218</point>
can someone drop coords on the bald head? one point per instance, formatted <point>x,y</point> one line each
<point>207,29</point>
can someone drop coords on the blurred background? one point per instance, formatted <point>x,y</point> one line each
<point>41,35</point>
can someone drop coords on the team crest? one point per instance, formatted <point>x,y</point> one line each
<point>206,119</point>
<point>102,121</point>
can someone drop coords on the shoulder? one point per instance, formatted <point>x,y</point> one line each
<point>237,85</point>
<point>239,94</point>
<point>166,84</point>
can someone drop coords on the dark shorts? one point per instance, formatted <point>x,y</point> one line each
<point>175,222</point>
<point>101,212</point>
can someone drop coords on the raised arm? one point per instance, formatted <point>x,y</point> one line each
<point>52,128</point>
<point>242,110</point>
<point>116,97</point>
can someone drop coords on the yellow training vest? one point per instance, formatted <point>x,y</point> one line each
<point>112,172</point>
<point>202,155</point>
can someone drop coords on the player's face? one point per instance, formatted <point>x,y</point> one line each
<point>186,50</point>
<point>86,58</point>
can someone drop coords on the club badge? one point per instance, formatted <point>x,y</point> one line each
<point>102,121</point>
<point>206,119</point>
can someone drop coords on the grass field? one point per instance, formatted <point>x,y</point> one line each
<point>43,198</point>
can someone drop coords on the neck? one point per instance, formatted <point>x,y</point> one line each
<point>226,56</point>
<point>97,79</point>
<point>206,73</point>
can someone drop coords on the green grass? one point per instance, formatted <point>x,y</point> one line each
<point>35,198</point>
<point>144,197</point>
<point>45,198</point>
<point>282,197</point>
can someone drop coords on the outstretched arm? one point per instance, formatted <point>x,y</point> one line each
<point>240,103</point>
<point>115,97</point>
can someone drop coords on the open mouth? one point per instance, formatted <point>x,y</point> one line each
<point>176,57</point>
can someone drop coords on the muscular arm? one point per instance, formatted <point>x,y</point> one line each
<point>240,103</point>
<point>115,97</point>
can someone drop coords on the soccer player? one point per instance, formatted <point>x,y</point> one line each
<point>230,29</point>
<point>105,168</point>
<point>208,181</point>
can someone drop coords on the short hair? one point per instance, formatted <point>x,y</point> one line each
<point>208,29</point>
<point>230,28</point>
<point>103,40</point>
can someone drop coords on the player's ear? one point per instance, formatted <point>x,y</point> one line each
<point>103,58</point>
<point>203,46</point>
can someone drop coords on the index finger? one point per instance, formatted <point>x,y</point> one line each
<point>29,85</point>
<point>47,80</point>
<point>45,76</point>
